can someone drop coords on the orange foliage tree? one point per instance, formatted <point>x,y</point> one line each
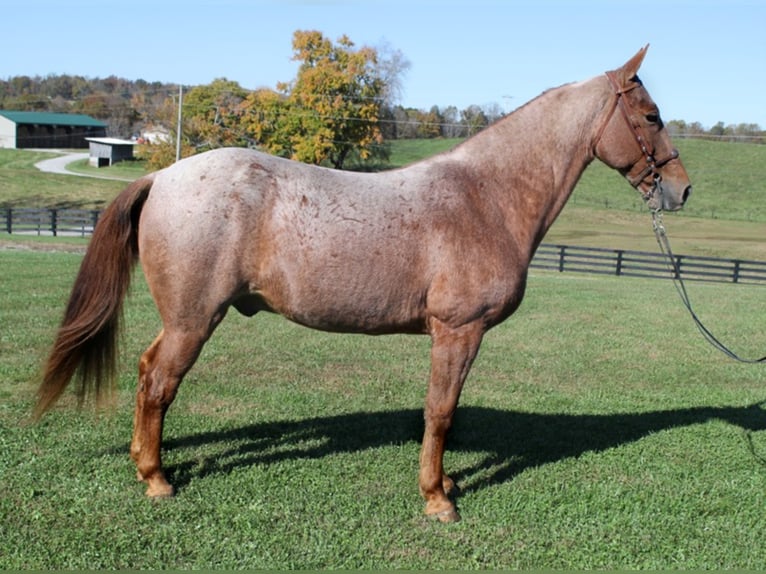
<point>329,113</point>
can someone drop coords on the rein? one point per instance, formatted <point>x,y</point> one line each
<point>662,240</point>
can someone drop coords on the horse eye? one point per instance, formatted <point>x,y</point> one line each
<point>652,118</point>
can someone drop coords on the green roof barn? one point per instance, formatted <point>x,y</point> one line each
<point>47,130</point>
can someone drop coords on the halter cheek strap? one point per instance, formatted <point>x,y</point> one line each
<point>644,143</point>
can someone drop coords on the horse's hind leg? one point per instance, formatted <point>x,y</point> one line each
<point>161,369</point>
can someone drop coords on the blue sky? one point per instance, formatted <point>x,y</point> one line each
<point>706,63</point>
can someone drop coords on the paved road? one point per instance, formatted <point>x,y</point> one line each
<point>58,165</point>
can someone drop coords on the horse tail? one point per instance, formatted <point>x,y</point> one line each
<point>86,342</point>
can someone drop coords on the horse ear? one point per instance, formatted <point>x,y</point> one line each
<point>630,70</point>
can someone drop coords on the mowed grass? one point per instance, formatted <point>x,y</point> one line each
<point>23,185</point>
<point>596,431</point>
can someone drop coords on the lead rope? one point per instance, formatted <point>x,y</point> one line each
<point>662,240</point>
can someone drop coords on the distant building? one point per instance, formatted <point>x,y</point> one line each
<point>155,135</point>
<point>108,151</point>
<point>47,130</point>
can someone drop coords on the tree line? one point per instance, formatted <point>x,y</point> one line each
<point>340,109</point>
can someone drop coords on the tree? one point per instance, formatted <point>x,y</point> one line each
<point>718,129</point>
<point>329,112</point>
<point>211,115</point>
<point>390,67</point>
<point>474,119</point>
<point>430,123</point>
<point>163,152</point>
<point>451,127</point>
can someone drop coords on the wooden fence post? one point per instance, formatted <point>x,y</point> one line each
<point>54,222</point>
<point>677,270</point>
<point>562,255</point>
<point>618,270</point>
<point>9,220</point>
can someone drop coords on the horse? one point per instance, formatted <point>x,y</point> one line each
<point>441,247</point>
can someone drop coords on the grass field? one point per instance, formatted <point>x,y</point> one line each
<point>22,185</point>
<point>596,431</point>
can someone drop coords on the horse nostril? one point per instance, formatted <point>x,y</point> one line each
<point>687,193</point>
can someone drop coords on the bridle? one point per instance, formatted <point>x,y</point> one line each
<point>652,169</point>
<point>644,143</point>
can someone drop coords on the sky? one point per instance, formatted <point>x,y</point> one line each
<point>706,62</point>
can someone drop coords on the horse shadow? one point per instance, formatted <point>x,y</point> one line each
<point>510,441</point>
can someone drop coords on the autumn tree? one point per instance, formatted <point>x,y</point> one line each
<point>211,115</point>
<point>162,153</point>
<point>330,111</point>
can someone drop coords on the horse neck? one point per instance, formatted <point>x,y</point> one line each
<point>530,161</point>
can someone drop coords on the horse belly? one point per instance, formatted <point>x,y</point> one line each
<point>353,307</point>
<point>360,291</point>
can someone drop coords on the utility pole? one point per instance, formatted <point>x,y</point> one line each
<point>178,128</point>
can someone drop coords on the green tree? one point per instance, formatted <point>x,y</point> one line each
<point>474,119</point>
<point>211,118</point>
<point>211,115</point>
<point>718,129</point>
<point>330,112</point>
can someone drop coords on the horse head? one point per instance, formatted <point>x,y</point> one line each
<point>636,143</point>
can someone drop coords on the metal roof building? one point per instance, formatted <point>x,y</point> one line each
<point>47,130</point>
<point>108,151</point>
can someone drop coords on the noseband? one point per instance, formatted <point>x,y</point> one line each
<point>647,149</point>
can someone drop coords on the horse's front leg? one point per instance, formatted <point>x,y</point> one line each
<point>452,353</point>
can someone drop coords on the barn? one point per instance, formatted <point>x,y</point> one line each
<point>108,151</point>
<point>47,130</point>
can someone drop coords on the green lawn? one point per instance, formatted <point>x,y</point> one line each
<point>22,185</point>
<point>597,430</point>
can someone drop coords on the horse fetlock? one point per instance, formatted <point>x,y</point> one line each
<point>157,485</point>
<point>449,486</point>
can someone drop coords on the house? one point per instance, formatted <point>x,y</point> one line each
<point>47,130</point>
<point>108,151</point>
<point>155,135</point>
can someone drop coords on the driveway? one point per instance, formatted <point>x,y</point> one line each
<point>58,165</point>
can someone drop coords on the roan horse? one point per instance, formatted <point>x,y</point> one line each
<point>441,247</point>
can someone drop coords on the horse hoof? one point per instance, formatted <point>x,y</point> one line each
<point>160,491</point>
<point>445,516</point>
<point>448,516</point>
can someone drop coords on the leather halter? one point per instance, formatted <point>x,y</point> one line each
<point>647,149</point>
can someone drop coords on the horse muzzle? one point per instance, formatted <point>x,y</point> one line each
<point>672,199</point>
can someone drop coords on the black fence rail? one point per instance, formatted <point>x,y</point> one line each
<point>646,264</point>
<point>55,222</point>
<point>620,262</point>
